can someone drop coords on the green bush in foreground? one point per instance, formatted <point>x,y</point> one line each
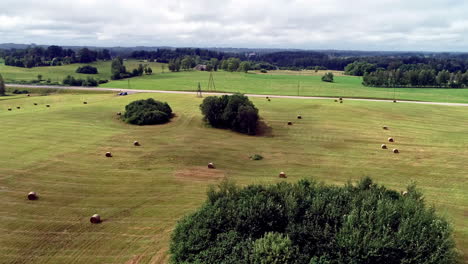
<point>147,112</point>
<point>311,223</point>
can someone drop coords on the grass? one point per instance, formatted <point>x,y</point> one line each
<point>304,83</point>
<point>142,191</point>
<point>58,73</point>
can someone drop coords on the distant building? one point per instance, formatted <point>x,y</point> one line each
<point>200,67</point>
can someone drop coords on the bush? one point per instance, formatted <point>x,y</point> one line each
<point>147,112</point>
<point>87,70</point>
<point>263,71</point>
<point>328,77</point>
<point>235,112</point>
<point>16,91</point>
<point>309,222</point>
<point>72,81</point>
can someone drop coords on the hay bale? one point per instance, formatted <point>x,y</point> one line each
<point>341,98</point>
<point>85,102</point>
<point>383,146</point>
<point>35,103</point>
<point>390,139</point>
<point>29,95</point>
<point>47,105</point>
<point>269,99</point>
<point>341,102</point>
<point>95,219</point>
<point>18,107</point>
<point>108,154</point>
<point>119,113</point>
<point>32,196</point>
<point>336,101</point>
<point>211,165</point>
<point>9,109</point>
<point>385,127</point>
<point>282,175</point>
<point>136,143</point>
<point>299,117</point>
<point>289,123</point>
<point>396,151</point>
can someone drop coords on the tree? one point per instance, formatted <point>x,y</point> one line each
<point>2,86</point>
<point>39,77</point>
<point>87,69</point>
<point>117,69</point>
<point>244,66</point>
<point>163,67</point>
<point>174,65</point>
<point>233,64</point>
<point>308,222</point>
<point>187,63</point>
<point>328,77</point>
<point>147,112</point>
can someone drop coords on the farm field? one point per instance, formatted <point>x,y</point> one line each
<point>304,83</point>
<point>142,191</point>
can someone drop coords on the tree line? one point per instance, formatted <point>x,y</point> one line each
<point>51,56</point>
<point>416,78</point>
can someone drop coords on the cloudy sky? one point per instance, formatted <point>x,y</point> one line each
<point>431,25</point>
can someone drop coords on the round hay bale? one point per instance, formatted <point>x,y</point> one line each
<point>85,102</point>
<point>341,98</point>
<point>29,95</point>
<point>290,123</point>
<point>35,103</point>
<point>108,154</point>
<point>269,99</point>
<point>341,101</point>
<point>18,107</point>
<point>336,101</point>
<point>47,105</point>
<point>383,146</point>
<point>9,109</point>
<point>211,165</point>
<point>282,175</point>
<point>299,117</point>
<point>385,127</point>
<point>32,196</point>
<point>95,219</point>
<point>136,143</point>
<point>396,151</point>
<point>390,139</point>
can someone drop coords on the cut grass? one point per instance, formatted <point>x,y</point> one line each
<point>142,191</point>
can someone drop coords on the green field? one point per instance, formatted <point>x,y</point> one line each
<point>142,191</point>
<point>304,83</point>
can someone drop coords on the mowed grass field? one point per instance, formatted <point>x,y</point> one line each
<point>143,191</point>
<point>304,83</point>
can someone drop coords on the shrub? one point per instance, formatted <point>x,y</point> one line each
<point>263,71</point>
<point>147,112</point>
<point>87,69</point>
<point>328,77</point>
<point>236,112</point>
<point>16,91</point>
<point>72,81</point>
<point>307,222</point>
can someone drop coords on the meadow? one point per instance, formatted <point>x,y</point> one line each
<point>141,192</point>
<point>303,83</point>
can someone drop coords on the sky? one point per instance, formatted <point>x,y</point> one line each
<point>393,25</point>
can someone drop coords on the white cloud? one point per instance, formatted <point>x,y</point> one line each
<point>310,24</point>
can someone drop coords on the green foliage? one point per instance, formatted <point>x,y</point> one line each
<point>359,68</point>
<point>87,69</point>
<point>72,81</point>
<point>273,248</point>
<point>118,70</point>
<point>2,85</point>
<point>263,71</point>
<point>236,112</point>
<point>328,77</point>
<point>174,65</point>
<point>309,222</point>
<point>147,112</point>
<point>244,66</point>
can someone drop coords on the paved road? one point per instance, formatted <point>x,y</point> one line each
<point>213,93</point>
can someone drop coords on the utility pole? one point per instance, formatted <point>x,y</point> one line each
<point>199,91</point>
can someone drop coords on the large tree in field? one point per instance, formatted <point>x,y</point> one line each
<point>117,68</point>
<point>2,85</point>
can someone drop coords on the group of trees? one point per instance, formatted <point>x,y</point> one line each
<point>2,86</point>
<point>147,112</point>
<point>312,223</point>
<point>328,77</point>
<point>235,112</point>
<point>72,81</point>
<point>52,56</point>
<point>87,69</point>
<point>119,71</point>
<point>416,78</point>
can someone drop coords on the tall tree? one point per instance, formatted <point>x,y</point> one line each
<point>2,86</point>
